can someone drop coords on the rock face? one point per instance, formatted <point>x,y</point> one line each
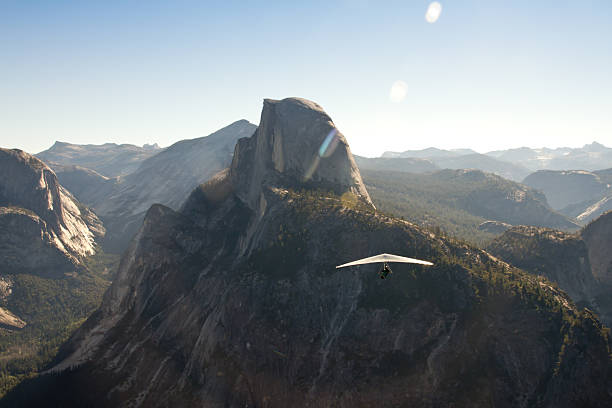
<point>109,159</point>
<point>495,227</point>
<point>234,301</point>
<point>42,226</point>
<point>166,178</point>
<point>295,144</point>
<point>88,186</point>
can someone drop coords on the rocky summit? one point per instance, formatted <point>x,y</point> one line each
<point>296,144</point>
<point>43,228</point>
<point>235,301</point>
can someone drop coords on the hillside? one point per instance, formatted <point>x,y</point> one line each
<point>234,301</point>
<point>459,201</point>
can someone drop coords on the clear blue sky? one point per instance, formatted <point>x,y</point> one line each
<point>486,75</point>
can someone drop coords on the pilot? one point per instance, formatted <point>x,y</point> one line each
<point>385,271</point>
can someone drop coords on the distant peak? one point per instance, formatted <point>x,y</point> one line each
<point>594,147</point>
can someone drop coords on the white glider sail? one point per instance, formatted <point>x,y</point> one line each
<point>385,258</point>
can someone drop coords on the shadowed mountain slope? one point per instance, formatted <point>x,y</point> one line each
<point>580,263</point>
<point>234,301</point>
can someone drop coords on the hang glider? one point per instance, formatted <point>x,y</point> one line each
<point>384,258</point>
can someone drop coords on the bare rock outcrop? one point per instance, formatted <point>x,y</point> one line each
<point>43,226</point>
<point>494,227</point>
<point>296,144</point>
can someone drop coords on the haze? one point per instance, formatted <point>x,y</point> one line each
<point>393,75</point>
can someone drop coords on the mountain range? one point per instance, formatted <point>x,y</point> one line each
<point>233,300</point>
<point>166,177</point>
<point>513,164</point>
<point>590,157</point>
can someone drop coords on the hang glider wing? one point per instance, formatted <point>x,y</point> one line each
<point>385,258</point>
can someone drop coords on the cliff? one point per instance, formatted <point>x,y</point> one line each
<point>43,226</point>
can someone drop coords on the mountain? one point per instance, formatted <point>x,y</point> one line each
<point>580,194</point>
<point>456,159</point>
<point>430,152</point>
<point>581,264</point>
<point>166,178</point>
<point>485,163</point>
<point>52,272</point>
<point>409,165</point>
<point>516,164</point>
<point>234,301</point>
<point>43,226</point>
<point>459,201</point>
<point>590,157</point>
<point>109,159</point>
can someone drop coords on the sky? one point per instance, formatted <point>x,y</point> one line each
<point>484,75</point>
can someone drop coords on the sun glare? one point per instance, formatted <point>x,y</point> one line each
<point>398,92</point>
<point>433,12</point>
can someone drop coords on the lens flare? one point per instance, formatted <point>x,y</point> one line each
<point>326,149</point>
<point>329,144</point>
<point>433,12</point>
<point>398,91</point>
